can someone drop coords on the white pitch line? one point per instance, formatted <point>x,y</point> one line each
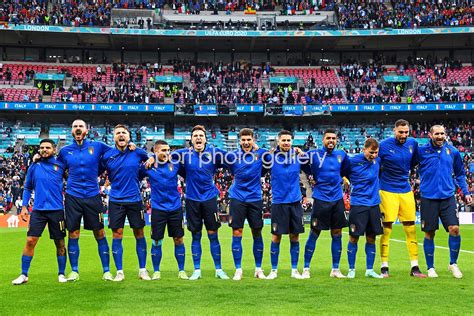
<point>439,247</point>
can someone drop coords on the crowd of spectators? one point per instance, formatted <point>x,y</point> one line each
<point>403,14</point>
<point>350,13</point>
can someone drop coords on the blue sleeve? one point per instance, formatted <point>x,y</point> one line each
<point>142,154</point>
<point>103,148</point>
<point>305,163</point>
<point>459,172</point>
<point>414,159</point>
<point>346,167</point>
<point>28,187</point>
<point>181,170</point>
<point>219,157</point>
<point>142,172</point>
<point>61,156</point>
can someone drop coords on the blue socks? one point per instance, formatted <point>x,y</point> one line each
<point>104,255</point>
<point>215,250</point>
<point>61,264</point>
<point>258,251</point>
<point>117,253</point>
<point>196,250</point>
<point>25,264</point>
<point>180,255</point>
<point>336,249</point>
<point>351,254</point>
<point>309,248</point>
<point>156,254</point>
<point>429,248</point>
<point>237,251</point>
<point>73,252</point>
<point>294,252</point>
<point>141,252</point>
<point>454,243</point>
<point>274,253</point>
<point>369,256</point>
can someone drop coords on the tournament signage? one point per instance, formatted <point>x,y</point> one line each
<point>225,33</point>
<point>100,107</point>
<point>207,110</point>
<point>293,109</point>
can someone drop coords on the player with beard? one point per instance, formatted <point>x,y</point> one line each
<point>398,157</point>
<point>125,201</point>
<point>82,200</point>
<point>438,162</point>
<point>246,200</point>
<point>45,178</point>
<point>200,163</point>
<point>285,166</point>
<point>328,165</point>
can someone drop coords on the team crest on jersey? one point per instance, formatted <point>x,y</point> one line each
<point>353,228</point>
<point>274,227</point>
<point>448,151</point>
<point>91,150</point>
<point>411,149</point>
<point>339,158</point>
<point>230,220</point>
<point>315,222</point>
<point>170,167</point>
<point>55,167</point>
<point>256,157</point>
<point>422,224</point>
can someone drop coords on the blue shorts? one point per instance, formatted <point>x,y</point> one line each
<point>162,219</point>
<point>252,211</point>
<point>365,220</point>
<point>89,208</point>
<point>328,215</point>
<point>55,221</point>
<point>198,212</point>
<point>434,209</point>
<point>287,218</point>
<point>131,210</point>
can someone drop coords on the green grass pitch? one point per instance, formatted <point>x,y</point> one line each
<point>399,294</point>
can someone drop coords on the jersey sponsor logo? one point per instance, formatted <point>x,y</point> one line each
<point>392,151</point>
<point>91,150</point>
<point>69,153</point>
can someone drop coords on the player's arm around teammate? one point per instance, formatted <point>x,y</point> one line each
<point>200,163</point>
<point>328,165</point>
<point>125,201</point>
<point>166,206</point>
<point>287,212</point>
<point>45,179</point>
<point>398,156</point>
<point>364,215</point>
<point>246,200</point>
<point>438,161</point>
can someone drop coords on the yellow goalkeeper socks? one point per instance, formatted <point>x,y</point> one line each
<point>412,243</point>
<point>385,244</point>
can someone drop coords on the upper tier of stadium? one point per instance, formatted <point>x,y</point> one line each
<point>185,84</point>
<point>242,15</point>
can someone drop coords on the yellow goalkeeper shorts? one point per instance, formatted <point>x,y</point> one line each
<point>401,205</point>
